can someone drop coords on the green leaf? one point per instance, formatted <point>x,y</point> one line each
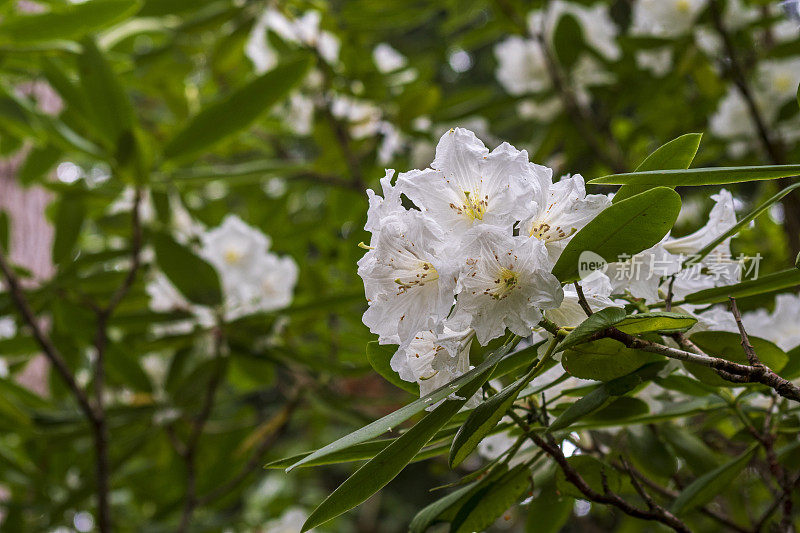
<point>71,21</point>
<point>592,471</point>
<point>689,447</point>
<point>728,345</point>
<point>650,453</point>
<point>699,176</point>
<point>38,163</point>
<point>238,110</point>
<point>602,396</point>
<point>445,508</point>
<point>663,321</point>
<point>599,321</point>
<point>605,360</point>
<point>676,154</point>
<point>492,500</point>
<point>568,40</point>
<point>594,401</point>
<point>379,358</point>
<point>549,511</point>
<point>627,227</point>
<point>391,420</point>
<point>69,216</point>
<point>381,469</point>
<point>109,108</point>
<point>482,419</point>
<point>192,276</point>
<point>358,452</point>
<point>703,489</point>
<point>762,285</point>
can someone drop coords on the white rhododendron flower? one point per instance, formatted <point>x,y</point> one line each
<point>252,278</point>
<point>521,66</point>
<point>387,59</point>
<point>643,274</point>
<point>665,18</point>
<point>778,78</point>
<point>469,186</point>
<point>408,283</point>
<point>432,360</point>
<point>595,22</point>
<point>304,30</point>
<point>291,521</point>
<point>561,210</point>
<point>504,283</point>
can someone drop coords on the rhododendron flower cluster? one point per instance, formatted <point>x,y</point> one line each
<point>470,256</point>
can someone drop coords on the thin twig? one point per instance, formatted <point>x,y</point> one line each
<point>657,514</point>
<point>582,299</point>
<point>752,358</point>
<point>190,448</point>
<point>42,339</point>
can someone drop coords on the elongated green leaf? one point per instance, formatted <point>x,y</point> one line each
<point>699,176</point>
<point>69,217</point>
<point>391,420</point>
<point>698,456</point>
<point>703,489</point>
<point>39,161</point>
<point>599,321</point>
<point>728,345</point>
<point>763,285</point>
<point>446,508</point>
<point>379,358</point>
<point>238,110</point>
<point>70,21</point>
<point>744,221</point>
<point>381,469</point>
<point>663,321</point>
<point>627,227</point>
<point>649,453</point>
<point>676,154</point>
<point>110,110</point>
<point>489,503</point>
<point>549,511</point>
<point>568,40</point>
<point>602,396</point>
<point>482,419</point>
<point>192,276</point>
<point>604,360</point>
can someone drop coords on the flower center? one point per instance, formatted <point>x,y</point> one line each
<point>475,206</point>
<point>232,256</point>
<point>417,278</point>
<point>683,6</point>
<point>505,283</point>
<point>783,83</point>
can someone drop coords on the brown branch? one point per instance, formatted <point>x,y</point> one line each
<point>752,358</point>
<point>656,514</point>
<point>42,339</point>
<point>582,300</point>
<point>101,433</point>
<point>191,500</point>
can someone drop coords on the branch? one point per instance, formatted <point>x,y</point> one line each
<point>752,358</point>
<point>582,300</point>
<point>190,449</point>
<point>656,513</point>
<point>101,435</point>
<point>45,343</point>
